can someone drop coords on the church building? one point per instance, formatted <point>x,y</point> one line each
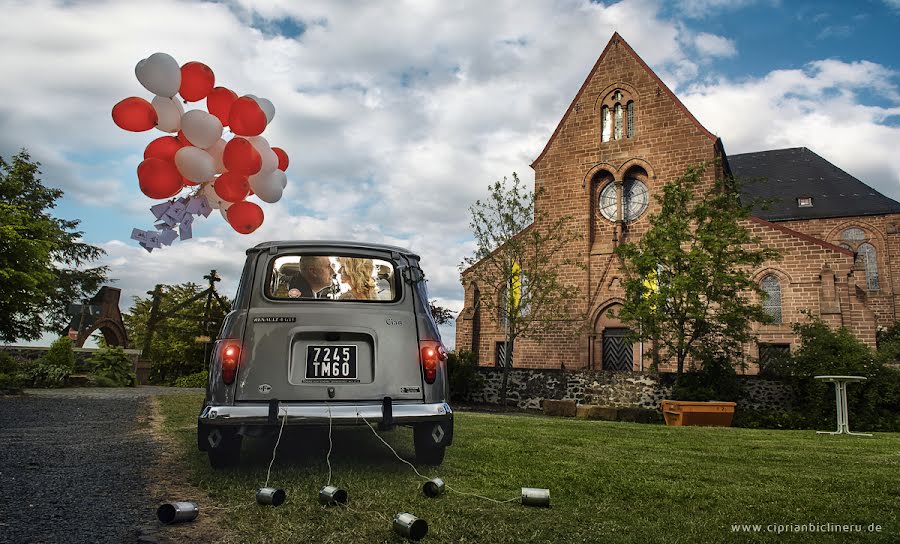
<point>623,136</point>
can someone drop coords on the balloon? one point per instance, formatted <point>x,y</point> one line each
<point>232,187</point>
<point>195,164</point>
<point>134,114</point>
<point>183,139</point>
<point>245,217</point>
<point>246,118</point>
<point>283,160</point>
<point>240,156</point>
<point>269,162</point>
<point>163,148</point>
<point>216,151</point>
<point>201,128</point>
<point>266,105</point>
<point>215,201</point>
<point>283,178</point>
<point>197,80</point>
<point>158,178</point>
<point>268,187</point>
<point>159,73</point>
<point>169,112</point>
<point>187,182</point>
<point>219,103</point>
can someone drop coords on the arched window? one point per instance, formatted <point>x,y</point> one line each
<point>503,307</point>
<point>866,254</point>
<point>630,116</point>
<point>635,199</point>
<point>618,134</point>
<point>772,297</point>
<point>605,124</point>
<point>853,234</point>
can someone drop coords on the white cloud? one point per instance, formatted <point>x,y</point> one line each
<point>396,116</point>
<point>820,107</point>
<point>700,9</point>
<point>710,45</point>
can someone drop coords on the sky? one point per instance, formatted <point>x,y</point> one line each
<point>398,115</point>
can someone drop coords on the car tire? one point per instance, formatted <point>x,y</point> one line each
<point>227,454</point>
<point>427,453</point>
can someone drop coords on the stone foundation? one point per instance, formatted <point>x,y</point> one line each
<point>528,388</point>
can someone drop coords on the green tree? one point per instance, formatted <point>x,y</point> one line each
<point>174,349</point>
<point>42,258</point>
<point>441,315</point>
<point>687,280</point>
<point>517,265</point>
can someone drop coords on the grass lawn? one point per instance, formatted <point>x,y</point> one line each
<point>609,482</point>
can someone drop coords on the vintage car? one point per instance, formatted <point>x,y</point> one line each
<point>327,332</point>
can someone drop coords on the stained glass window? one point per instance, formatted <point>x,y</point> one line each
<point>605,124</point>
<point>866,254</point>
<point>853,235</point>
<point>630,108</point>
<point>772,297</point>
<point>618,133</point>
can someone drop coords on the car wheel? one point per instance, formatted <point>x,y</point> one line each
<point>427,453</point>
<point>227,453</point>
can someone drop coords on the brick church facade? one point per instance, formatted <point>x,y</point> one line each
<point>623,136</point>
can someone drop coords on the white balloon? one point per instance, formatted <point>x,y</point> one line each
<point>268,108</point>
<point>168,112</point>
<point>216,151</point>
<point>215,201</point>
<point>259,143</point>
<point>200,128</point>
<point>283,179</point>
<point>269,162</point>
<point>160,74</point>
<point>223,209</point>
<point>268,187</point>
<point>195,164</point>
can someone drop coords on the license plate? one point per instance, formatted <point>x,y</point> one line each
<point>331,362</point>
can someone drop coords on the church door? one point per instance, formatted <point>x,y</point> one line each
<point>617,350</point>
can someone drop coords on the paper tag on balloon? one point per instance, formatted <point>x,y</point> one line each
<point>185,231</point>
<point>167,236</point>
<point>139,235</point>
<point>153,240</point>
<point>193,207</point>
<point>176,211</point>
<point>187,219</point>
<point>145,246</point>
<point>160,209</point>
<point>205,208</point>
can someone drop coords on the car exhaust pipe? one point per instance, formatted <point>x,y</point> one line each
<point>176,512</point>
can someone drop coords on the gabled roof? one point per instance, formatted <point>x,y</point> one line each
<point>616,38</point>
<point>781,176</point>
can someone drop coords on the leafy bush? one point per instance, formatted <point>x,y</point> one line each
<point>715,380</point>
<point>463,375</point>
<point>112,368</point>
<point>60,355</point>
<point>872,404</point>
<point>42,374</point>
<point>12,377</point>
<point>197,379</point>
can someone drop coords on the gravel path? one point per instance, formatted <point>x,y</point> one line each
<point>72,463</point>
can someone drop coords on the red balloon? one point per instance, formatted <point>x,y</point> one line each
<point>197,80</point>
<point>183,139</point>
<point>159,178</point>
<point>245,217</point>
<point>282,158</point>
<point>219,103</point>
<point>246,118</point>
<point>232,186</point>
<point>163,148</point>
<point>135,114</point>
<point>241,157</point>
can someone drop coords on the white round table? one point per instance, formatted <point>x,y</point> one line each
<point>840,395</point>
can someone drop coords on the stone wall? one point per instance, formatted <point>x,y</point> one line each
<point>32,353</point>
<point>528,387</point>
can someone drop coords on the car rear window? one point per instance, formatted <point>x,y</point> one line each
<point>332,277</point>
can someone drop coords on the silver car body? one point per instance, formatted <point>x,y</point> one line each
<point>275,335</point>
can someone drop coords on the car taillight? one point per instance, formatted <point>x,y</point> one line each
<point>229,356</point>
<point>432,355</point>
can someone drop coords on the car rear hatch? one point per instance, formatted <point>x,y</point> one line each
<point>352,346</point>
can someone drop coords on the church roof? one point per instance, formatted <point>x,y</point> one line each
<point>785,176</point>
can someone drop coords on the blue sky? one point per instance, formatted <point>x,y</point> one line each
<point>397,115</point>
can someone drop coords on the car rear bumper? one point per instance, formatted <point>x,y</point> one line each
<point>315,414</point>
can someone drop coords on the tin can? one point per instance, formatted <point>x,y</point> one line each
<point>534,496</point>
<point>176,512</point>
<point>270,496</point>
<point>432,488</point>
<point>332,496</point>
<point>409,526</point>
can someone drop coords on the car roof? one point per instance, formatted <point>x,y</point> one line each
<point>339,244</point>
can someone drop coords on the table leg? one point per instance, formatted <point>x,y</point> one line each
<point>847,413</point>
<point>840,411</point>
